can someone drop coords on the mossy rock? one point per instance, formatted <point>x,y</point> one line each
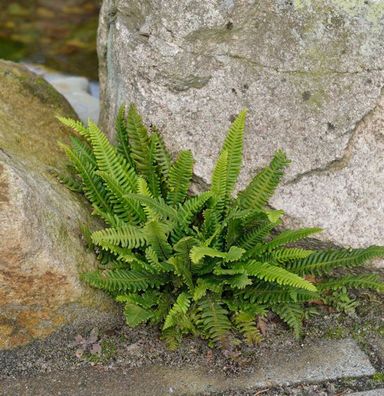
<point>28,109</point>
<point>41,249</point>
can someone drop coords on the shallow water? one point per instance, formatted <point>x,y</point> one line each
<point>60,34</point>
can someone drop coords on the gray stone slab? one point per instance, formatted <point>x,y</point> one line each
<point>326,360</point>
<point>323,361</point>
<point>375,392</point>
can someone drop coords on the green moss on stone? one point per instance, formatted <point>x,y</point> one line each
<point>336,333</point>
<point>31,132</point>
<point>378,377</point>
<point>371,11</point>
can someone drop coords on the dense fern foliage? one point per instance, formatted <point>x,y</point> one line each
<point>207,265</point>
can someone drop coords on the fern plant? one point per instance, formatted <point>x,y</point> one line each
<point>207,264</point>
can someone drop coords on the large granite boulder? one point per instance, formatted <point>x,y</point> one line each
<point>41,250</point>
<point>311,73</point>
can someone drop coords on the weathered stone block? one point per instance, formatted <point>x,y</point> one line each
<point>310,72</point>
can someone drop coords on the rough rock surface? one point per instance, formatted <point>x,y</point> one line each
<point>310,72</point>
<point>41,251</point>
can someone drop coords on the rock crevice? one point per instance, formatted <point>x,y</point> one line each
<point>343,161</point>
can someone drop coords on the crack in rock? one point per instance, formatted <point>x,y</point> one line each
<point>293,71</point>
<point>342,162</point>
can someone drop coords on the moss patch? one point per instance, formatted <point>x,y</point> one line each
<point>31,132</point>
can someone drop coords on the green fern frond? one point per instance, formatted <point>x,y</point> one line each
<point>138,138</point>
<point>228,271</point>
<point>238,281</point>
<point>198,252</point>
<point>172,337</point>
<point>352,281</point>
<point>292,315</point>
<point>83,150</point>
<point>70,182</point>
<point>264,184</point>
<point>245,322</point>
<point>157,236</point>
<point>291,236</point>
<point>158,266</point>
<point>76,125</point>
<point>235,223</point>
<point>238,304</point>
<point>274,216</point>
<point>179,178</point>
<point>163,158</point>
<point>154,177</point>
<point>213,319</point>
<point>324,261</point>
<point>264,293</point>
<point>126,208</point>
<point>212,224</point>
<point>109,217</point>
<point>184,246</point>
<point>93,186</point>
<point>287,254</point>
<point>154,262</point>
<point>219,179</point>
<point>143,189</point>
<point>147,299</point>
<point>233,145</point>
<point>123,146</point>
<point>135,315</point>
<point>182,268</point>
<point>240,223</point>
<point>181,306</point>
<point>143,265</point>
<point>126,236</point>
<point>124,254</point>
<point>272,273</point>
<point>256,235</point>
<point>114,167</point>
<point>209,283</point>
<point>186,213</point>
<point>182,262</point>
<point>141,155</point>
<point>156,205</point>
<point>164,303</point>
<point>122,280</point>
<point>228,165</point>
<point>105,153</point>
<point>341,300</point>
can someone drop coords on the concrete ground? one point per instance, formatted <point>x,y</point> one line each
<point>338,355</point>
<point>315,368</point>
